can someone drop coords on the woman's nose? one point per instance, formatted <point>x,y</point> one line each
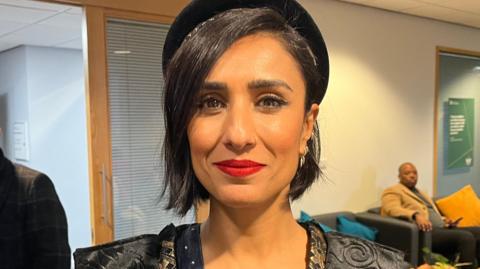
<point>239,129</point>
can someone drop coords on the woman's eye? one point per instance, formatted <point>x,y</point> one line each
<point>211,103</point>
<point>271,102</point>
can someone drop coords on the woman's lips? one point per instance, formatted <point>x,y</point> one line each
<point>239,168</point>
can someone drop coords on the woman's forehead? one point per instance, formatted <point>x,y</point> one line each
<point>260,56</point>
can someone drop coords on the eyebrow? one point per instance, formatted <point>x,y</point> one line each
<point>214,86</point>
<point>254,85</point>
<point>268,83</point>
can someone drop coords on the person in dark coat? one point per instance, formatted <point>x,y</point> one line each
<point>33,225</point>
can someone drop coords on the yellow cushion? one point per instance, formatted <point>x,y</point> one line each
<point>463,203</point>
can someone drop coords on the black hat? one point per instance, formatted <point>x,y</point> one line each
<point>296,16</point>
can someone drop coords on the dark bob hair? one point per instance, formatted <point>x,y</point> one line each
<point>185,74</point>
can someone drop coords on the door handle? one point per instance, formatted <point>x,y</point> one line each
<point>105,215</point>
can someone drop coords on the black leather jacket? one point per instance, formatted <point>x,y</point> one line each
<point>178,248</point>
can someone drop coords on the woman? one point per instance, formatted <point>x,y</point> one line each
<point>243,83</point>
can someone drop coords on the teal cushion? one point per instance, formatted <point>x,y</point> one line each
<point>355,228</point>
<point>304,217</point>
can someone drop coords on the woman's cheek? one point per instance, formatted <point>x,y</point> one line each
<point>283,134</point>
<point>204,130</point>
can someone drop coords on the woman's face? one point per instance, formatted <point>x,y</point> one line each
<point>250,127</point>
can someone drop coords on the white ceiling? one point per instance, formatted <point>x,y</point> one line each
<point>35,23</point>
<point>464,12</point>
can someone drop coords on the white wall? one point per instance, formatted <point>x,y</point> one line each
<point>51,99</point>
<point>13,94</point>
<point>379,107</point>
<point>58,131</point>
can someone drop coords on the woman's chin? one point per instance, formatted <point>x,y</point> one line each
<point>243,196</point>
<point>237,196</point>
<point>239,201</point>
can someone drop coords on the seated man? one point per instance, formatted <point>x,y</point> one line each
<point>405,201</point>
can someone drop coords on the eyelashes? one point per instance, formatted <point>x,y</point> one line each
<point>211,103</point>
<point>214,103</point>
<point>271,101</point>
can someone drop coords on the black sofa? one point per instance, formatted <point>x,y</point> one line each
<point>392,232</point>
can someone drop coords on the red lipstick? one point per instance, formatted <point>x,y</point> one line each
<point>239,168</point>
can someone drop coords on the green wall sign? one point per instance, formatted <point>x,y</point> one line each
<point>460,132</point>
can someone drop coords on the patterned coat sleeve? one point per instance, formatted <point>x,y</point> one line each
<point>140,252</point>
<point>345,251</point>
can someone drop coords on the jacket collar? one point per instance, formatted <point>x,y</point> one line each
<point>2,159</point>
<point>7,174</point>
<point>410,193</point>
<point>413,195</point>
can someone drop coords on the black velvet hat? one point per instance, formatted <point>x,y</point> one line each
<point>296,16</point>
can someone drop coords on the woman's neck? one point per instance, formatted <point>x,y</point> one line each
<point>251,233</point>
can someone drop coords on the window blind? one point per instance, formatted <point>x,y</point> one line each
<point>137,127</point>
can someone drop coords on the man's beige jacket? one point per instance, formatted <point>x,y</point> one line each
<point>400,202</point>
